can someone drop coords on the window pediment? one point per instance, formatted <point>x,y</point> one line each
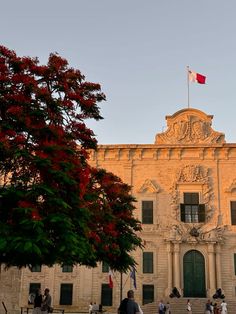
<point>148,187</point>
<point>232,187</point>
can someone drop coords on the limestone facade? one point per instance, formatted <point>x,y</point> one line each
<point>185,186</point>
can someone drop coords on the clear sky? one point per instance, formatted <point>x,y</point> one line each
<point>138,51</point>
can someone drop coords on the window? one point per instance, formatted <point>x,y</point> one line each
<point>106,297</point>
<point>32,290</point>
<point>67,268</point>
<point>147,212</point>
<point>148,294</point>
<point>191,210</point>
<point>36,268</point>
<point>34,286</point>
<point>148,262</point>
<point>233,212</point>
<point>235,264</point>
<point>66,294</point>
<point>105,267</point>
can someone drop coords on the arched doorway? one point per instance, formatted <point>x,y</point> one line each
<point>194,274</point>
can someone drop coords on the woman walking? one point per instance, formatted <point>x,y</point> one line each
<point>189,307</point>
<point>223,307</point>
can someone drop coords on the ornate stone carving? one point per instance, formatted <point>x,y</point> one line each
<point>191,174</point>
<point>194,234</point>
<point>231,187</point>
<point>189,126</point>
<point>148,187</point>
<point>215,234</point>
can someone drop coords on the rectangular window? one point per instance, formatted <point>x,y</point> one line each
<point>147,212</point>
<point>36,269</point>
<point>233,212</point>
<point>67,268</point>
<point>148,294</point>
<point>235,264</point>
<point>191,210</point>
<point>33,286</point>
<point>66,294</point>
<point>147,262</point>
<point>105,267</point>
<point>106,297</point>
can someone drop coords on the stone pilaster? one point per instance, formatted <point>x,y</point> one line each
<point>176,268</point>
<point>170,268</point>
<point>211,269</point>
<point>218,266</point>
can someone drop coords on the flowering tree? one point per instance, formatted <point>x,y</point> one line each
<point>54,207</point>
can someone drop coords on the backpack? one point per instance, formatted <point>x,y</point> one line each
<point>123,306</point>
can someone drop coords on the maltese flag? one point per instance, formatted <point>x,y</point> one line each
<point>196,77</point>
<point>110,278</point>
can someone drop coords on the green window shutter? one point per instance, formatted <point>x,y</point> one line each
<point>33,286</point>
<point>182,212</point>
<point>201,213</point>
<point>106,297</point>
<point>148,294</point>
<point>105,267</point>
<point>67,268</point>
<point>66,294</point>
<point>36,269</point>
<point>147,262</point>
<point>235,264</point>
<point>233,212</point>
<point>147,212</point>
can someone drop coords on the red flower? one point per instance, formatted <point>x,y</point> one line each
<point>15,110</point>
<point>20,139</point>
<point>35,215</point>
<point>11,133</point>
<point>41,154</point>
<point>25,204</point>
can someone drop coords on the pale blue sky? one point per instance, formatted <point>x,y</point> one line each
<point>138,51</point>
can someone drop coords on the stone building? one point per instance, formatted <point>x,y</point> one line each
<point>185,186</point>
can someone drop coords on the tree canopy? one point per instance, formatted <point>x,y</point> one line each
<point>54,207</point>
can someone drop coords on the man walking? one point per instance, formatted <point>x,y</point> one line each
<point>128,305</point>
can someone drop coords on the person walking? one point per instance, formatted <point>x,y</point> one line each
<point>38,302</point>
<point>167,308</point>
<point>223,307</point>
<point>128,305</point>
<point>47,302</point>
<point>161,307</point>
<point>90,308</point>
<point>208,307</point>
<point>189,307</point>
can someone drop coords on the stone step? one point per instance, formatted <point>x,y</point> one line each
<point>178,306</point>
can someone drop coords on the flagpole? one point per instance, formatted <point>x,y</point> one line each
<point>188,83</point>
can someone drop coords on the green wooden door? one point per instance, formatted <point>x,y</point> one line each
<point>194,274</point>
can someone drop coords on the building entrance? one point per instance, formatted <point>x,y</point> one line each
<point>194,274</point>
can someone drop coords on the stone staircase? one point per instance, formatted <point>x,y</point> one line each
<point>178,306</point>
